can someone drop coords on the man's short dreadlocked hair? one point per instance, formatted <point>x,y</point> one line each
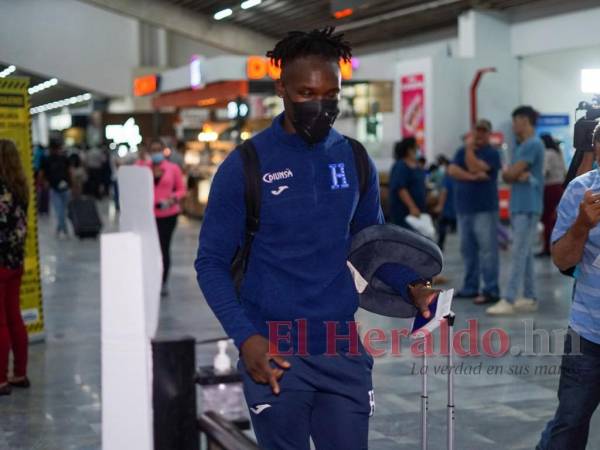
<point>323,43</point>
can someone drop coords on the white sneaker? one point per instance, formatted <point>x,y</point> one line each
<point>501,308</point>
<point>526,305</point>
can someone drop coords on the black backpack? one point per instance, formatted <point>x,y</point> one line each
<point>252,197</point>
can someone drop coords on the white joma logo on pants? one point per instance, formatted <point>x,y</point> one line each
<point>260,408</point>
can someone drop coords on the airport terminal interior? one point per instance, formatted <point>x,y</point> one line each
<point>426,168</point>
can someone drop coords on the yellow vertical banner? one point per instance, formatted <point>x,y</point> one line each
<point>15,124</point>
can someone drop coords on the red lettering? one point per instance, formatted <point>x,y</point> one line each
<point>275,338</point>
<point>472,333</point>
<point>332,338</point>
<point>396,339</point>
<point>423,345</point>
<point>487,343</point>
<point>379,336</point>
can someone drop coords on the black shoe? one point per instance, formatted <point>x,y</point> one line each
<point>24,383</point>
<point>462,294</point>
<point>485,299</point>
<point>164,291</point>
<point>5,390</point>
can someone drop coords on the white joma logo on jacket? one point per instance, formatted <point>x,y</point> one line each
<point>279,190</point>
<point>274,176</point>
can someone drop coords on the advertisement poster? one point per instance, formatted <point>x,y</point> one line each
<point>558,126</point>
<point>412,97</point>
<point>15,125</point>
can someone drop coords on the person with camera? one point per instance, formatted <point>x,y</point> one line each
<point>575,242</point>
<point>526,177</point>
<point>584,158</point>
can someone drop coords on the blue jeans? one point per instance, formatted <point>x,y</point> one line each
<point>59,200</point>
<point>524,227</point>
<point>479,249</point>
<point>578,397</point>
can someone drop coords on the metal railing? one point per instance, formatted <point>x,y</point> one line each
<point>223,435</point>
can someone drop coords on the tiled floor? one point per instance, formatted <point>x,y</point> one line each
<point>62,409</point>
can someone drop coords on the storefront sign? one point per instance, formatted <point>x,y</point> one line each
<point>60,122</point>
<point>146,85</point>
<point>412,97</point>
<point>258,68</point>
<point>196,72</point>
<point>128,133</point>
<point>15,124</point>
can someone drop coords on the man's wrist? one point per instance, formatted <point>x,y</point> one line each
<point>581,228</point>
<point>242,337</point>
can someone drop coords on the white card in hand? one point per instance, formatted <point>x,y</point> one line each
<point>442,307</point>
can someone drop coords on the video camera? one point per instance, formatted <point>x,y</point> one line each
<point>582,141</point>
<point>582,136</point>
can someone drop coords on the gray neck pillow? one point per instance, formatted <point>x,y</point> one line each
<point>380,244</point>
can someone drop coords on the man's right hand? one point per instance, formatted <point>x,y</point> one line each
<point>469,141</point>
<point>255,354</point>
<point>415,212</point>
<point>589,210</point>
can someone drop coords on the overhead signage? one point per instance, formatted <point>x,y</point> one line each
<point>196,72</point>
<point>259,68</point>
<point>145,85</point>
<point>128,133</point>
<point>412,98</point>
<point>60,122</point>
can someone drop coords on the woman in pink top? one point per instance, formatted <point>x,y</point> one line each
<point>169,189</point>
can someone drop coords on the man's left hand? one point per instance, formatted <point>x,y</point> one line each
<point>422,295</point>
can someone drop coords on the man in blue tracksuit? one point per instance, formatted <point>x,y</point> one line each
<point>297,278</point>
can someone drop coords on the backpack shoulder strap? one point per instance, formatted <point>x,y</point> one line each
<point>361,160</point>
<point>252,195</point>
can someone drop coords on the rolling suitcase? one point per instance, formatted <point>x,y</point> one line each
<point>450,417</point>
<point>84,217</point>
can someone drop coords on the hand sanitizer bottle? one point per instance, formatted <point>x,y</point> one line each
<point>222,361</point>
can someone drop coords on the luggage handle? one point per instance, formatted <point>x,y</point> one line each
<point>424,391</point>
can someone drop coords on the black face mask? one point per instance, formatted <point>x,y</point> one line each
<point>313,120</point>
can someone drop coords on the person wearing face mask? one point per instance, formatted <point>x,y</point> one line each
<point>575,242</point>
<point>297,279</point>
<point>169,189</point>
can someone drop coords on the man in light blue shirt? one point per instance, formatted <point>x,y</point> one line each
<point>576,242</point>
<point>526,176</point>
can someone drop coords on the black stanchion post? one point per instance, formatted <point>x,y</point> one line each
<point>174,395</point>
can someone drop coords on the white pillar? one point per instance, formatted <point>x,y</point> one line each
<point>131,269</point>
